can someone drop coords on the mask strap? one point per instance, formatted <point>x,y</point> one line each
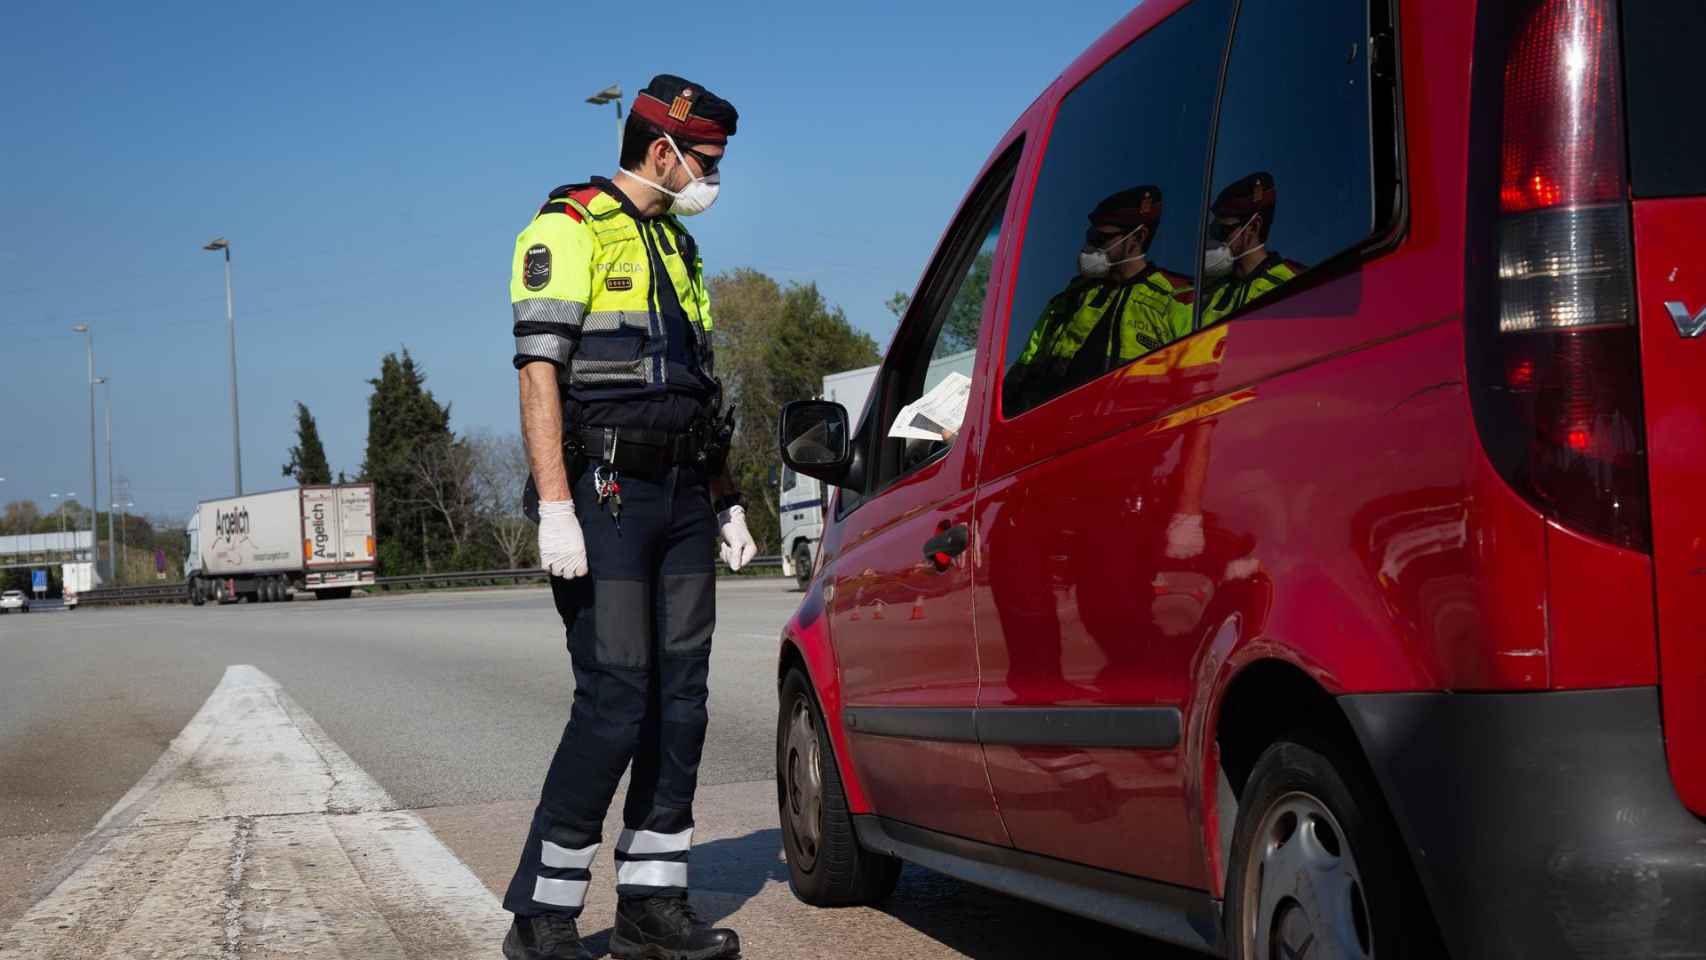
<point>678,159</point>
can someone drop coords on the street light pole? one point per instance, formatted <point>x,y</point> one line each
<point>611,94</point>
<point>94,479</point>
<point>112,556</point>
<point>231,337</point>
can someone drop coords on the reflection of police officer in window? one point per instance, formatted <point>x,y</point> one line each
<point>1119,307</point>
<point>1237,265</point>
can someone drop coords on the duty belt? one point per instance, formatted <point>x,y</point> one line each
<point>634,450</point>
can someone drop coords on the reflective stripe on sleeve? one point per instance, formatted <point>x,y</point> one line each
<point>545,346</point>
<point>567,313</point>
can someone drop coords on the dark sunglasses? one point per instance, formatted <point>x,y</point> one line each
<point>1221,232</point>
<point>707,163</point>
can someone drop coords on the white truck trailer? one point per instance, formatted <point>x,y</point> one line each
<point>75,578</point>
<point>801,500</point>
<point>264,546</point>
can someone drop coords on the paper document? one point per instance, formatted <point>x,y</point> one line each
<point>937,413</point>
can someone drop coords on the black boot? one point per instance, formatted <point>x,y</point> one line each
<point>664,928</point>
<point>544,937</point>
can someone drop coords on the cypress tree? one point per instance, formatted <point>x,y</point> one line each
<point>308,458</point>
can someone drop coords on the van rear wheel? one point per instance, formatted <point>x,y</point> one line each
<point>1312,867</point>
<point>826,865</point>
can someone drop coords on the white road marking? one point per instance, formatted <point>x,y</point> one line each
<point>255,836</point>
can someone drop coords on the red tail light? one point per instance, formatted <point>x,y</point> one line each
<point>1553,330</point>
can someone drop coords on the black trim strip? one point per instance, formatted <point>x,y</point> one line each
<point>1189,918</point>
<point>949,724</point>
<point>1142,728</point>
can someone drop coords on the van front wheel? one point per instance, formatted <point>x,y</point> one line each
<point>826,865</point>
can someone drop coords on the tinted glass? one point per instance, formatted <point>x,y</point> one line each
<point>1122,183</point>
<point>1667,139</point>
<point>1293,180</point>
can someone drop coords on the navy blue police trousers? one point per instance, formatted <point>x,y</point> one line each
<point>639,637</point>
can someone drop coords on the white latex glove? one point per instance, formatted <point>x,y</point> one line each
<point>1184,536</point>
<point>562,547</point>
<point>738,548</point>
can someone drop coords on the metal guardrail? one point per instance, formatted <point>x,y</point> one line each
<point>516,576</point>
<point>178,593</point>
<point>151,593</point>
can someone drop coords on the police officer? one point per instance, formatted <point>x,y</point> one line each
<point>613,344</point>
<point>1238,267</point>
<point>1119,307</point>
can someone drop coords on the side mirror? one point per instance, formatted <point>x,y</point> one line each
<point>816,441</point>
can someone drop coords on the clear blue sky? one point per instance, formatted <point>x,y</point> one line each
<point>372,167</point>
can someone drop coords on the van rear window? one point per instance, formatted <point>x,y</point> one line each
<point>1662,44</point>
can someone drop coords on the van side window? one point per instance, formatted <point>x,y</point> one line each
<point>935,352</point>
<point>1294,157</point>
<point>1111,242</point>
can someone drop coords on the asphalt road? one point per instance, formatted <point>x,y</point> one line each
<point>451,703</point>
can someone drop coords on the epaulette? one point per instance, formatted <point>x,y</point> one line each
<point>580,193</point>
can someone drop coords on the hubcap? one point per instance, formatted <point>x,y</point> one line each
<point>1302,893</point>
<point>804,784</point>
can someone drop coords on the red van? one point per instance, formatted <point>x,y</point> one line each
<point>1318,567</point>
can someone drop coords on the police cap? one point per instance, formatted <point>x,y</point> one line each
<point>1245,198</point>
<point>1130,209</point>
<point>686,110</point>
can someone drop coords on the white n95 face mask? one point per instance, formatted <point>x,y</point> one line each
<point>694,198</point>
<point>1217,261</point>
<point>1093,261</point>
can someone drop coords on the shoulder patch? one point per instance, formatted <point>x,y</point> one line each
<point>536,267</point>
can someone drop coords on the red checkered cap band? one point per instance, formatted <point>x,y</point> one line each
<point>694,128</point>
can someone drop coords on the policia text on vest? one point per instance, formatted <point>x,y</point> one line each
<point>619,398</point>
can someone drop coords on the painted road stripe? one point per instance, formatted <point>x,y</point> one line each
<point>255,836</point>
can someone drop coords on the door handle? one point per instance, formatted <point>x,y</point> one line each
<point>945,546</point>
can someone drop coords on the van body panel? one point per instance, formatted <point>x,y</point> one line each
<point>1671,269</point>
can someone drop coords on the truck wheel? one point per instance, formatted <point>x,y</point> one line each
<point>802,564</point>
<point>275,589</point>
<point>1313,868</point>
<point>198,594</point>
<point>826,865</point>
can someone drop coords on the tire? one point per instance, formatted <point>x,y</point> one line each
<point>1310,811</point>
<point>830,869</point>
<point>198,592</point>
<point>803,564</point>
<point>220,596</point>
<point>271,594</point>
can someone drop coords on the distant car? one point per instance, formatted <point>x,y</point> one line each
<point>14,600</point>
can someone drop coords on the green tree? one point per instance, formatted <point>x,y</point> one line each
<point>403,418</point>
<point>774,345</point>
<point>965,313</point>
<point>308,458</point>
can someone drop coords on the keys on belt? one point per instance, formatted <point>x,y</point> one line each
<point>607,483</point>
<point>631,450</point>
